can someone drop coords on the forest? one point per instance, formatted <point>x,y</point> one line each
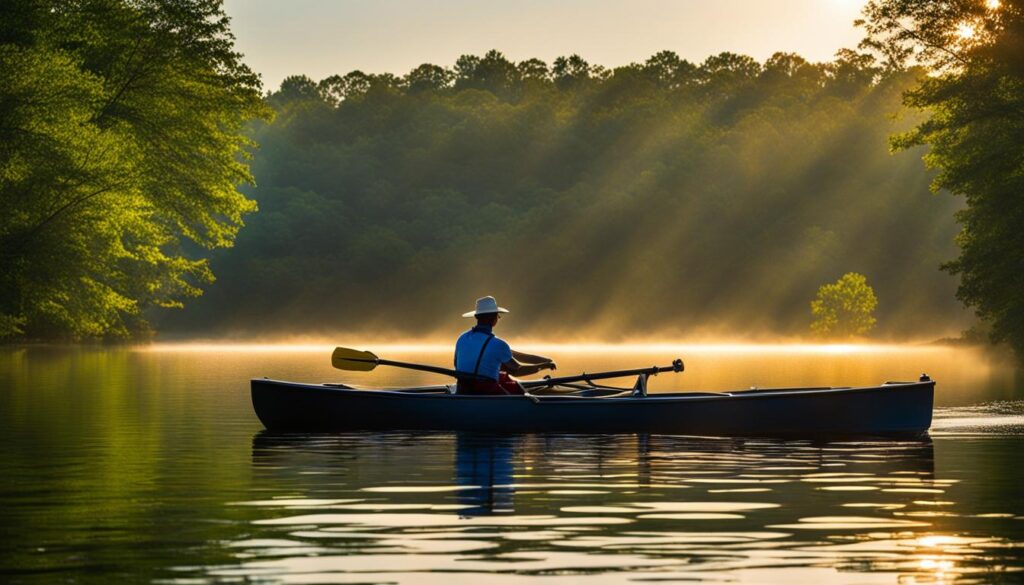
<point>150,184</point>
<point>665,198</point>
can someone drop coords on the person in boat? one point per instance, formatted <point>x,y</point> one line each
<point>479,352</point>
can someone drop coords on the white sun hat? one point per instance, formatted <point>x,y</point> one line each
<point>484,306</point>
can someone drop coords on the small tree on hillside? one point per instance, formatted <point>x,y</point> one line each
<point>845,307</point>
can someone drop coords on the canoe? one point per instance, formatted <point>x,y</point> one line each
<point>890,409</point>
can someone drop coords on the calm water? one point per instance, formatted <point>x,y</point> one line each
<point>123,465</point>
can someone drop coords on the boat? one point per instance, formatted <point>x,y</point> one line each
<point>891,409</point>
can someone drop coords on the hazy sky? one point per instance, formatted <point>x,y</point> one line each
<point>323,37</point>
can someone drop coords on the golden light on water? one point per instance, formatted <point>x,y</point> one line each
<point>713,366</point>
<point>936,540</point>
<point>938,565</point>
<point>237,347</point>
<point>664,347</point>
<point>993,4</point>
<point>725,348</point>
<point>934,564</point>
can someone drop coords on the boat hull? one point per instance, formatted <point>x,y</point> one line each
<point>892,409</point>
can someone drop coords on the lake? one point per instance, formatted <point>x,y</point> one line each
<point>147,465</point>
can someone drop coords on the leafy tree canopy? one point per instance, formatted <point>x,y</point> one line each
<point>974,98</point>
<point>121,150</point>
<point>844,308</point>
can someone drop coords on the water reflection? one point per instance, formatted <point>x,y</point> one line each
<point>142,466</point>
<point>464,507</point>
<point>484,465</point>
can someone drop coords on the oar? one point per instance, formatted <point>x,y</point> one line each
<point>677,366</point>
<point>354,360</point>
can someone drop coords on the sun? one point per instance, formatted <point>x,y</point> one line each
<point>966,31</point>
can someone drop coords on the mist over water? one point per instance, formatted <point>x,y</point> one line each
<point>966,375</point>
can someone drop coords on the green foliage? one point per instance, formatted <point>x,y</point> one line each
<point>658,198</point>
<point>844,308</point>
<point>975,131</point>
<point>121,149</point>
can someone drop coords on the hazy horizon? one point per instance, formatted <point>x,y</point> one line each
<point>319,38</point>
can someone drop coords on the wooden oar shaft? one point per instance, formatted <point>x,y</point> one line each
<point>426,368</point>
<point>349,359</point>
<point>677,366</point>
<point>421,367</point>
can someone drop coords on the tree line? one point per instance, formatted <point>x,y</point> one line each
<point>663,197</point>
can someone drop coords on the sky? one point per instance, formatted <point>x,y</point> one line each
<point>319,38</point>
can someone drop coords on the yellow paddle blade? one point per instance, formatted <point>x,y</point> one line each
<point>344,358</point>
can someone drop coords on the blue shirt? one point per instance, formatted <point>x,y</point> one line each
<point>468,350</point>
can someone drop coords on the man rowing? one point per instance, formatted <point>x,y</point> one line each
<point>479,352</point>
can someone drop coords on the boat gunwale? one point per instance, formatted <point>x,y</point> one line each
<point>748,394</point>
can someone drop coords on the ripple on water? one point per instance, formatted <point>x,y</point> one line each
<point>153,465</point>
<point>638,538</point>
<point>430,520</point>
<point>692,516</point>
<point>685,507</point>
<point>993,418</point>
<point>849,523</point>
